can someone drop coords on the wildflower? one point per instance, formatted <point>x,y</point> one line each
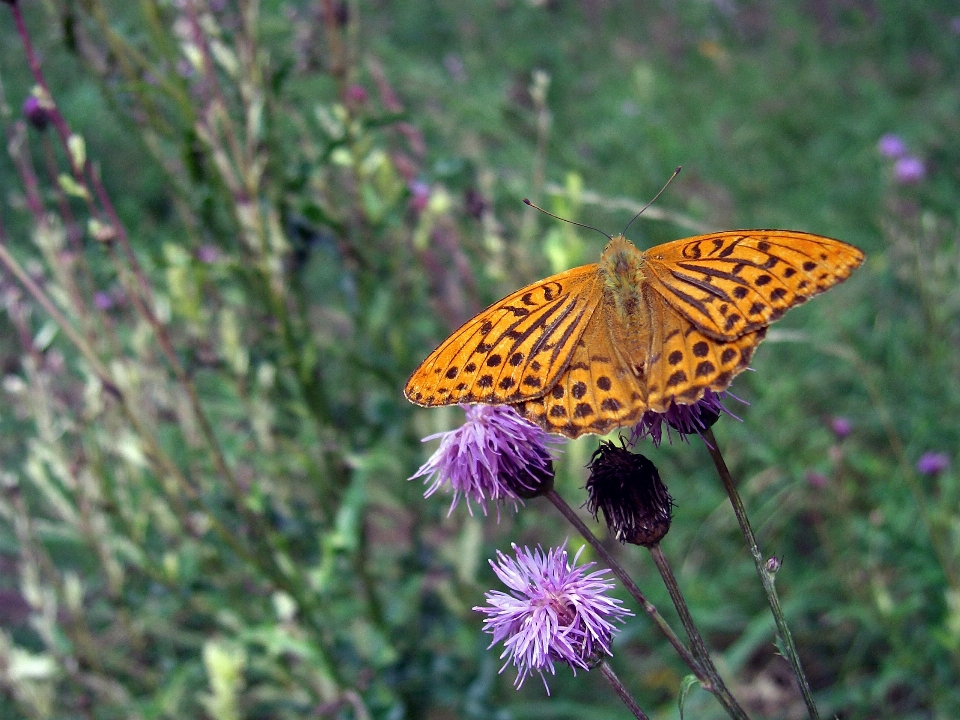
<point>36,112</point>
<point>909,170</point>
<point>103,300</point>
<point>773,564</point>
<point>626,486</point>
<point>841,427</point>
<point>495,455</point>
<point>817,480</point>
<point>931,463</point>
<point>891,146</point>
<point>208,254</point>
<point>419,195</point>
<point>554,613</point>
<point>685,419</point>
<point>356,95</point>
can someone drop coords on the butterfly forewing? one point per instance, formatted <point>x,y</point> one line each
<point>732,283</point>
<point>513,350</point>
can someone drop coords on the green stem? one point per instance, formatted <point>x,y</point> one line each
<point>696,641</point>
<point>622,692</point>
<point>766,577</point>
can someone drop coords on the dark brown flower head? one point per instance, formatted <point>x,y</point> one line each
<point>627,488</point>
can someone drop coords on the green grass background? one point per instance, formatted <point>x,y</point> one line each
<point>773,109</point>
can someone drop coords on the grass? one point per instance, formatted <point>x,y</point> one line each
<point>304,575</point>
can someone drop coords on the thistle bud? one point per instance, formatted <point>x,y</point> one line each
<point>36,112</point>
<point>626,486</point>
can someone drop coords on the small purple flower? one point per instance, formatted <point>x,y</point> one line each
<point>909,170</point>
<point>495,455</point>
<point>36,113</point>
<point>555,612</point>
<point>817,480</point>
<point>932,463</point>
<point>208,254</point>
<point>684,419</point>
<point>103,300</point>
<point>891,146</point>
<point>356,95</point>
<point>420,195</point>
<point>841,427</point>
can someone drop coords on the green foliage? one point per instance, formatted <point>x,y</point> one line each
<point>204,510</point>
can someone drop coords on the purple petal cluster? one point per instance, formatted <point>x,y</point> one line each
<point>932,463</point>
<point>684,419</point>
<point>494,456</point>
<point>554,613</point>
<point>891,146</point>
<point>907,169</point>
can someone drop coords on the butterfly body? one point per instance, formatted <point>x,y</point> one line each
<point>592,348</point>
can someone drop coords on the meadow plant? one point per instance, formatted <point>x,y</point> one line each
<point>209,309</point>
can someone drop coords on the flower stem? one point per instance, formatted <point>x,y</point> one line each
<point>766,577</point>
<point>709,679</point>
<point>622,691</point>
<point>696,641</point>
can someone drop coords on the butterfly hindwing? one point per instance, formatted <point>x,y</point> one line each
<point>732,283</point>
<point>513,350</point>
<point>596,392</point>
<point>684,362</point>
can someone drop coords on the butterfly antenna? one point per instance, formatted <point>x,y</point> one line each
<point>588,227</point>
<point>675,173</point>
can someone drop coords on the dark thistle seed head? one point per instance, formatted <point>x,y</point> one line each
<point>626,486</point>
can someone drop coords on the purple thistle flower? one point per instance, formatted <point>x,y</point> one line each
<point>891,146</point>
<point>931,463</point>
<point>909,170</point>
<point>841,427</point>
<point>684,419</point>
<point>495,455</point>
<point>103,300</point>
<point>555,612</point>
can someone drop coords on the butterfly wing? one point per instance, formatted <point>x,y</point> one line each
<point>684,362</point>
<point>515,349</point>
<point>732,283</point>
<point>598,390</point>
<point>613,378</point>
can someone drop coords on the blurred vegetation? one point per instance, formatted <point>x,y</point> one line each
<point>204,512</point>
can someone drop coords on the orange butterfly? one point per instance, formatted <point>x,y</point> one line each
<point>592,348</point>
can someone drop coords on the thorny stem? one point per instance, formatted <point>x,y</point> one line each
<point>622,691</point>
<point>766,577</point>
<point>631,587</point>
<point>702,666</point>
<point>696,641</point>
<point>706,682</point>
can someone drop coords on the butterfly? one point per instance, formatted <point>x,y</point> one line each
<point>593,348</point>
